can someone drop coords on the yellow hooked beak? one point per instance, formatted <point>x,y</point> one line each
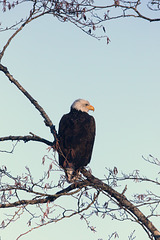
<point>90,107</point>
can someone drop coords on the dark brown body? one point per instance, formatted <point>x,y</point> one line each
<point>76,139</point>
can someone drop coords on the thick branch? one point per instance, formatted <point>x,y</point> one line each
<point>26,139</point>
<point>122,201</point>
<point>46,118</point>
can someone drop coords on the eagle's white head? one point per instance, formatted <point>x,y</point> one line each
<point>82,105</point>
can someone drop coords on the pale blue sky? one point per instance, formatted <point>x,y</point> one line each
<point>57,63</point>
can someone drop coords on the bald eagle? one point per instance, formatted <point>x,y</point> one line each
<point>76,138</point>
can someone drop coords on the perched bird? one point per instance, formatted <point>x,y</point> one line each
<point>76,138</point>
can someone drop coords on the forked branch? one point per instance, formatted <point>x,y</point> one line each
<point>123,202</point>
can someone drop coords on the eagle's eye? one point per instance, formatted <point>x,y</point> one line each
<point>86,104</point>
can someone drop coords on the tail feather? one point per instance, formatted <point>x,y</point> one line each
<point>72,175</point>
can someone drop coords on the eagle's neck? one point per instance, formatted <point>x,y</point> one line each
<point>73,110</point>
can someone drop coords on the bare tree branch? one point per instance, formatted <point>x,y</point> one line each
<point>47,197</point>
<point>11,151</point>
<point>123,202</point>
<point>25,139</point>
<point>88,16</point>
<point>46,118</point>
